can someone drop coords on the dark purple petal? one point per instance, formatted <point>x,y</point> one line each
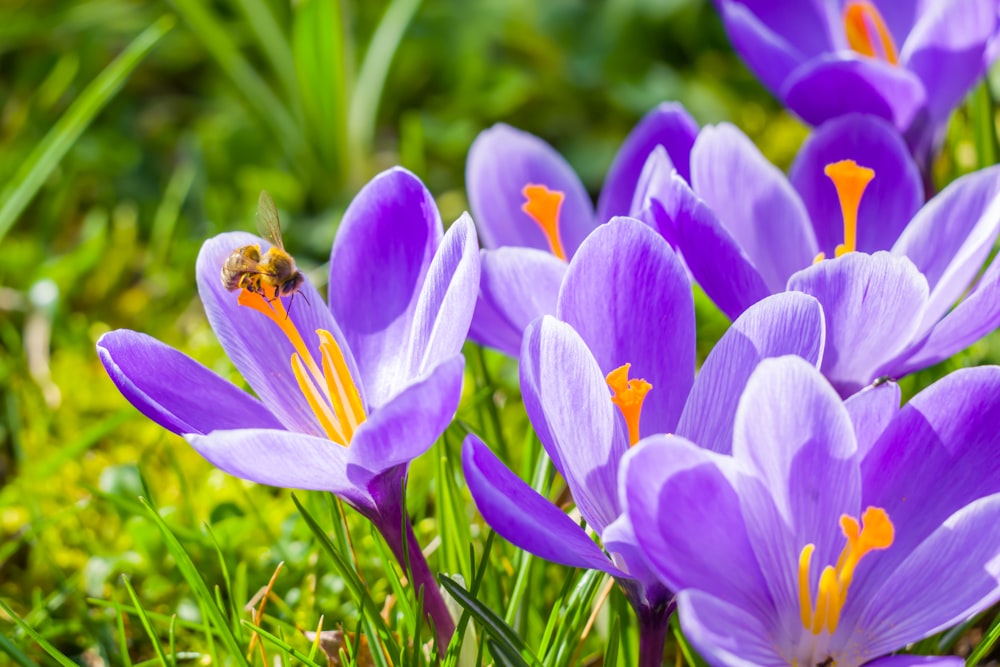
<point>806,24</point>
<point>769,53</point>
<point>446,302</point>
<point>379,260</point>
<point>951,237</point>
<point>716,261</point>
<point>890,200</point>
<point>517,285</point>
<point>907,660</point>
<point>525,518</point>
<point>668,125</point>
<point>946,50</point>
<point>754,202</point>
<point>953,575</point>
<point>570,406</point>
<point>871,410</point>
<point>725,634</point>
<point>629,298</point>
<point>255,344</point>
<point>286,460</point>
<point>836,84</point>
<point>502,160</point>
<point>873,305</point>
<point>407,426</point>
<point>687,520</point>
<point>786,323</point>
<point>174,390</point>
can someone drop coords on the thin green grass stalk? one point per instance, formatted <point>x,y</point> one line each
<point>172,640</point>
<point>392,575</point>
<point>984,130</point>
<point>132,611</point>
<point>168,212</point>
<point>579,607</point>
<point>43,643</point>
<point>276,47</point>
<point>279,643</point>
<point>986,645</point>
<point>234,612</point>
<point>122,637</point>
<point>690,656</point>
<point>554,617</point>
<point>16,654</point>
<point>610,658</point>
<point>43,160</point>
<point>453,525</point>
<point>489,415</point>
<point>454,652</point>
<point>144,620</point>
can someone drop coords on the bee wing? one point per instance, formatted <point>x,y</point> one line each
<point>268,224</point>
<point>240,262</point>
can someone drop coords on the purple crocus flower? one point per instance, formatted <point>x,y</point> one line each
<point>835,533</point>
<point>374,378</point>
<point>626,309</point>
<point>533,213</point>
<point>910,63</point>
<point>750,231</point>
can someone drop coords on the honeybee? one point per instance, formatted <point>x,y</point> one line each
<point>246,268</point>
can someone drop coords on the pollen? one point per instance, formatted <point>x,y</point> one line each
<point>543,206</point>
<point>867,32</point>
<point>850,180</point>
<point>628,395</point>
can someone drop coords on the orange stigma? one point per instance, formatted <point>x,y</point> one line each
<point>327,386</point>
<point>875,533</point>
<point>867,33</point>
<point>543,205</point>
<point>628,396</point>
<point>850,181</point>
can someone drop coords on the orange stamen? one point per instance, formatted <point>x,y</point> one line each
<point>628,396</point>
<point>543,205</point>
<point>863,25</point>
<point>850,180</point>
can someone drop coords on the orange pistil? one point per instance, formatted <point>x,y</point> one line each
<point>327,386</point>
<point>543,205</point>
<point>628,396</point>
<point>876,534</point>
<point>850,180</point>
<point>867,33</point>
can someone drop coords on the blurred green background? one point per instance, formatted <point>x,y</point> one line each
<point>101,221</point>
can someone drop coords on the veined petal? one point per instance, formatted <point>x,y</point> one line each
<point>628,297</point>
<point>907,660</point>
<point>668,125</point>
<point>768,53</point>
<point>871,410</point>
<point>835,84</point>
<point>258,348</point>
<point>754,202</point>
<point>380,257</point>
<point>502,160</point>
<point>873,305</point>
<point>725,634</point>
<point>447,300</point>
<point>569,404</point>
<point>620,541</point>
<point>525,518</point>
<point>786,323</point>
<point>174,390</point>
<point>890,200</point>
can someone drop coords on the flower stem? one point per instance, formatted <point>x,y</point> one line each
<point>653,628</point>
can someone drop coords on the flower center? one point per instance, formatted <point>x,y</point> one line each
<point>876,532</point>
<point>850,179</point>
<point>867,33</point>
<point>327,386</point>
<point>542,205</point>
<point>628,396</point>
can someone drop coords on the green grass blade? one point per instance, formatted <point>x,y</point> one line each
<point>275,45</point>
<point>987,644</point>
<point>16,654</point>
<point>984,126</point>
<point>279,643</point>
<point>53,147</point>
<point>53,652</point>
<point>144,620</point>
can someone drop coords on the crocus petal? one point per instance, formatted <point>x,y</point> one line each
<point>917,661</point>
<point>620,541</point>
<point>716,261</point>
<point>786,323</point>
<point>286,460</point>
<point>174,390</point>
<point>768,53</point>
<point>792,429</point>
<point>379,260</point>
<point>502,160</point>
<point>629,298</point>
<point>871,410</point>
<point>255,345</point>
<point>951,237</point>
<point>890,200</point>
<point>951,576</point>
<point>945,49</point>
<point>833,85</point>
<point>755,203</point>
<point>725,634</point>
<point>525,518</point>
<point>688,520</point>
<point>654,184</point>
<point>517,285</point>
<point>668,125</point>
<point>872,304</point>
<point>570,406</point>
<point>407,426</point>
<point>447,299</point>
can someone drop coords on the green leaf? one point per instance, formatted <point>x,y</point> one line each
<point>53,652</point>
<point>145,622</point>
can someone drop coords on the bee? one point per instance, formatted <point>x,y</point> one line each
<point>246,268</point>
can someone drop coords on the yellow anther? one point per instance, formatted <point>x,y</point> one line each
<point>850,181</point>
<point>628,395</point>
<point>543,205</point>
<point>865,26</point>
